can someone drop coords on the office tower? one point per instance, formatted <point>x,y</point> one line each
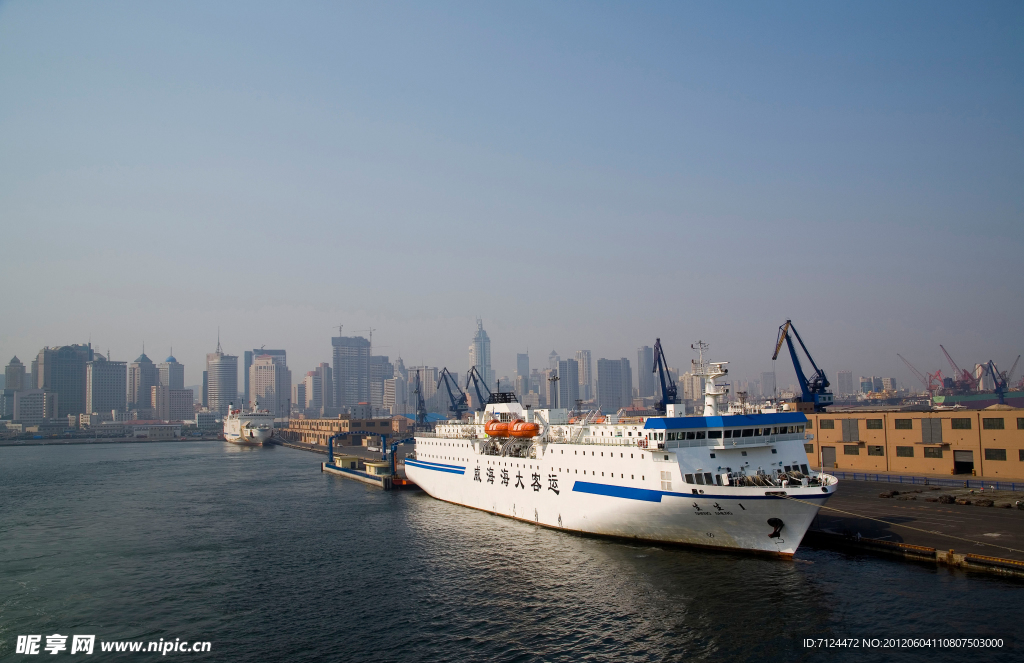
<point>143,375</point>
<point>568,383</point>
<point>876,383</point>
<point>523,365</point>
<point>480,355</point>
<point>351,371</point>
<point>645,374</point>
<point>320,390</point>
<point>270,383</point>
<point>889,384</point>
<point>299,395</point>
<point>221,381</point>
<point>586,377</point>
<point>35,406</point>
<point>549,390</point>
<point>768,385</point>
<point>396,395</point>
<point>381,369</point>
<point>172,404</point>
<point>206,388</point>
<point>14,375</point>
<point>614,384</point>
<point>247,358</point>
<point>691,386</point>
<point>172,374</point>
<point>7,404</point>
<point>61,371</point>
<point>105,386</point>
<point>844,383</point>
<point>428,379</point>
<point>553,360</point>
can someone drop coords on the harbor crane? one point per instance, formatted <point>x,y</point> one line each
<point>669,391</point>
<point>963,381</point>
<point>459,404</point>
<point>933,381</point>
<point>1001,378</point>
<point>421,407</point>
<point>815,389</point>
<point>474,377</point>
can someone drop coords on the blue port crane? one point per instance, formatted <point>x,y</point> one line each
<point>1001,378</point>
<point>459,404</point>
<point>473,377</point>
<point>421,407</point>
<point>815,389</point>
<point>669,391</point>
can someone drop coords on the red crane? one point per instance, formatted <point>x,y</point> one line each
<point>962,379</point>
<point>932,383</point>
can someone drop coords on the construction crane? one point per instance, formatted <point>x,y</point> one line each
<point>933,381</point>
<point>459,404</point>
<point>669,392</point>
<point>963,381</point>
<point>474,377</point>
<point>1001,378</point>
<point>421,407</point>
<point>813,390</point>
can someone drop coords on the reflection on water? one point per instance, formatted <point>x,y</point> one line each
<point>257,551</point>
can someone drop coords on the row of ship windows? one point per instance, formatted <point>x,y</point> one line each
<point>727,434</point>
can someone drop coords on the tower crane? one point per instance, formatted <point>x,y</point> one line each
<point>474,377</point>
<point>669,392</point>
<point>459,404</point>
<point>814,389</point>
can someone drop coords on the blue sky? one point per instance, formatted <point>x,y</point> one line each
<point>580,175</point>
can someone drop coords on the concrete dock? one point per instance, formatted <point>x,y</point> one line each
<point>977,535</point>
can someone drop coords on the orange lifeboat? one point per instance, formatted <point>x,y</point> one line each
<point>496,428</point>
<point>520,428</point>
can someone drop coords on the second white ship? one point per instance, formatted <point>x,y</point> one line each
<point>251,428</point>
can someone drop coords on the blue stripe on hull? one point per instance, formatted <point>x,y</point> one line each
<point>437,467</point>
<point>646,495</point>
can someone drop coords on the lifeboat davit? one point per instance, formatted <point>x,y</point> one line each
<point>520,428</point>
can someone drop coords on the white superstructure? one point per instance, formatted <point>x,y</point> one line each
<point>738,481</point>
<point>249,428</point>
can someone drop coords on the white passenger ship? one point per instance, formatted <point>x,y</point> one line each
<point>251,428</point>
<point>736,481</point>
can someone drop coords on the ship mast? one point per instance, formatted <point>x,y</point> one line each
<point>709,371</point>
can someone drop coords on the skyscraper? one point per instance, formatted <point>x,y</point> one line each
<point>62,371</point>
<point>645,372</point>
<point>14,375</point>
<point>381,369</point>
<point>568,383</point>
<point>586,374</point>
<point>221,380</point>
<point>172,374</point>
<point>270,383</point>
<point>351,371</point>
<point>553,360</point>
<point>247,358</point>
<point>105,386</point>
<point>614,384</point>
<point>522,365</point>
<point>480,355</point>
<point>768,385</point>
<point>844,383</point>
<point>143,375</point>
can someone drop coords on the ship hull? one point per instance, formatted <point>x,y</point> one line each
<point>537,491</point>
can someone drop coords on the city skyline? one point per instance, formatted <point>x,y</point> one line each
<point>871,195</point>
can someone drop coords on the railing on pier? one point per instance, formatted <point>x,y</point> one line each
<point>926,481</point>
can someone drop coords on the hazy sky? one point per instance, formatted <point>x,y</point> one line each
<point>581,175</point>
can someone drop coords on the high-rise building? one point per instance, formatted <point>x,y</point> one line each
<point>299,395</point>
<point>586,374</point>
<point>844,383</point>
<point>35,406</point>
<point>553,360</point>
<point>14,375</point>
<point>105,386</point>
<point>270,383</point>
<point>614,384</point>
<point>480,355</point>
<point>247,358</point>
<point>549,388</point>
<point>172,374</point>
<point>889,384</point>
<point>143,375</point>
<point>523,365</point>
<point>691,386</point>
<point>381,369</point>
<point>61,370</point>
<point>319,387</point>
<point>396,396</point>
<point>351,371</point>
<point>568,383</point>
<point>221,381</point>
<point>206,386</point>
<point>172,404</point>
<point>768,385</point>
<point>644,370</point>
